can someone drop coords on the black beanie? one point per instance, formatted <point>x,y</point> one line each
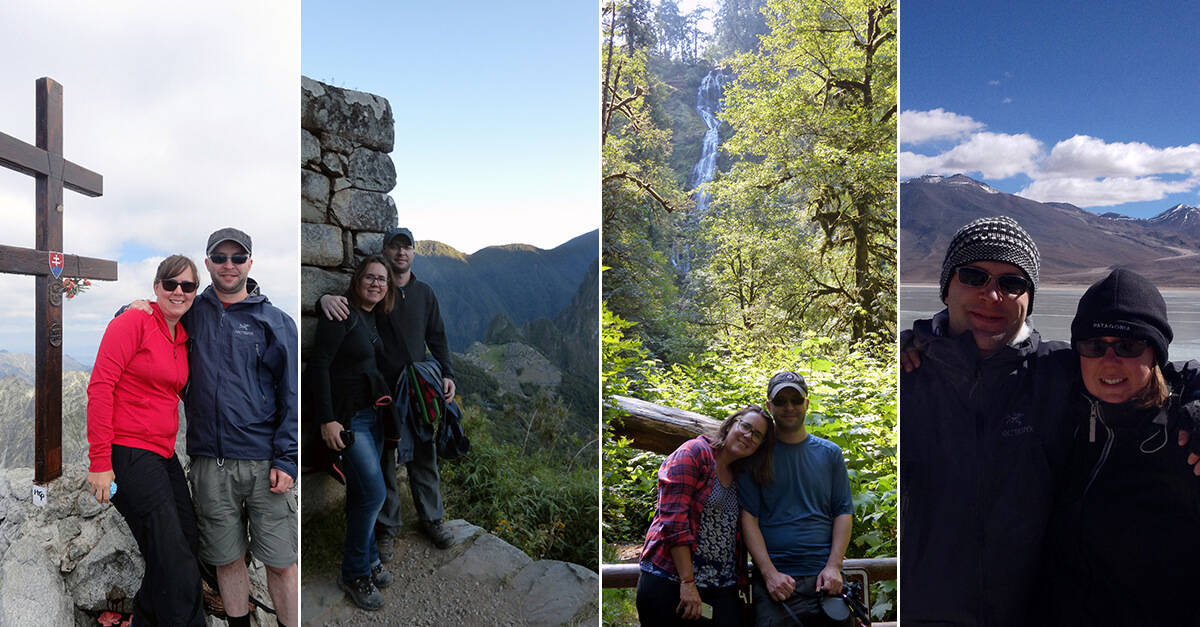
<point>1124,304</point>
<point>995,238</point>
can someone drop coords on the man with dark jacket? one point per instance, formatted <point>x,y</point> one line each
<point>414,324</point>
<point>242,429</point>
<point>983,434</point>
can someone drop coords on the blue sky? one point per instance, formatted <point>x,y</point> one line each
<point>190,113</point>
<point>496,107</point>
<point>1081,102</point>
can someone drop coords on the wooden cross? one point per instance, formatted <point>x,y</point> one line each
<point>45,163</point>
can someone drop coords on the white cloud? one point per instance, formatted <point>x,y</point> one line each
<point>992,155</point>
<point>1105,192</point>
<point>191,114</point>
<point>917,127</point>
<point>1089,157</point>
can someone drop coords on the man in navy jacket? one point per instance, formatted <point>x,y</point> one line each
<point>242,430</point>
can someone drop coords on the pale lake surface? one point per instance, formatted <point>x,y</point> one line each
<point>1054,308</point>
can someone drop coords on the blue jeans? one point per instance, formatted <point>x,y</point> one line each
<point>364,494</point>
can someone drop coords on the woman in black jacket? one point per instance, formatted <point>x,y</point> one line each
<point>350,396</point>
<point>1125,542</point>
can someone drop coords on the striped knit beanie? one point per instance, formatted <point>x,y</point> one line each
<point>994,238</point>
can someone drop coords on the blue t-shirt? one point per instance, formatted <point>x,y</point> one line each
<point>795,512</point>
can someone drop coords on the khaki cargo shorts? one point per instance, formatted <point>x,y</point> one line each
<point>236,511</point>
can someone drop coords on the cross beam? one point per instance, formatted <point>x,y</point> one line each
<point>45,163</point>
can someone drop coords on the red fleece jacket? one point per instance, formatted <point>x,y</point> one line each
<point>133,395</point>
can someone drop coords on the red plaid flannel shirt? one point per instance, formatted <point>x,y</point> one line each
<point>685,481</point>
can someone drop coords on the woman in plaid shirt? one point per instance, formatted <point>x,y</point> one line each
<point>690,555</point>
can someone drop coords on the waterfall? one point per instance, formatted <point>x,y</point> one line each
<point>708,103</point>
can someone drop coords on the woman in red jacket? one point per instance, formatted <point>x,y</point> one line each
<point>132,422</point>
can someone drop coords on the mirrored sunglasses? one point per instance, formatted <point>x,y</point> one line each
<point>1124,347</point>
<point>1012,284</point>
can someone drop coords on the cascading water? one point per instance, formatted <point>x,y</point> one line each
<point>708,104</point>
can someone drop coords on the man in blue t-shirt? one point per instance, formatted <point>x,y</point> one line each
<point>797,527</point>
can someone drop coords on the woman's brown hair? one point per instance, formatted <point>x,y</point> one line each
<point>759,463</point>
<point>1156,393</point>
<point>172,266</point>
<point>389,297</point>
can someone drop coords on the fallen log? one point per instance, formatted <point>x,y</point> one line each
<point>657,428</point>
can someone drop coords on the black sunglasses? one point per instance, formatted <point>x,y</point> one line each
<point>1124,347</point>
<point>188,287</point>
<point>1009,283</point>
<point>220,258</point>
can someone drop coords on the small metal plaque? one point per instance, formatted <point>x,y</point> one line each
<point>55,335</point>
<point>54,290</point>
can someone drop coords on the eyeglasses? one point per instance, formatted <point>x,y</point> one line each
<point>373,278</point>
<point>1124,347</point>
<point>399,246</point>
<point>188,287</point>
<point>748,429</point>
<point>220,258</point>
<point>1011,284</point>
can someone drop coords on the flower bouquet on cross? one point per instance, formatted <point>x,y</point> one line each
<point>73,287</point>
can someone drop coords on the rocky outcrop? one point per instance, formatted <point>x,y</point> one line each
<point>345,177</point>
<point>72,559</point>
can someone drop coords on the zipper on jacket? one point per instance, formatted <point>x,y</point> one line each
<point>216,403</point>
<point>1096,415</point>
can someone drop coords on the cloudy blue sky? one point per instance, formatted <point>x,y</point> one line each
<point>1082,102</point>
<point>191,114</point>
<point>496,107</point>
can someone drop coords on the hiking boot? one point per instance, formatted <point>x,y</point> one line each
<point>380,576</point>
<point>387,548</point>
<point>362,592</point>
<point>437,532</point>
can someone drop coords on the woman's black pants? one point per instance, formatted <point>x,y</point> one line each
<point>152,495</point>
<point>658,597</point>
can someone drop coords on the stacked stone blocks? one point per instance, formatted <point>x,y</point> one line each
<point>345,177</point>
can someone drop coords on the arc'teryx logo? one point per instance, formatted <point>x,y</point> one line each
<point>1014,425</point>
<point>243,328</point>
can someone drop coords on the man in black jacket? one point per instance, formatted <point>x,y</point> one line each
<point>414,324</point>
<point>983,432</point>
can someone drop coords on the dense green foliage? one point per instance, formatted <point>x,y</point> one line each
<point>530,477</point>
<point>534,494</point>
<point>813,113</point>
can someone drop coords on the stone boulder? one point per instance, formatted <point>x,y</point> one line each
<point>355,116</point>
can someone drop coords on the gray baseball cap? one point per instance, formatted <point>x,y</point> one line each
<point>396,232</point>
<point>228,234</point>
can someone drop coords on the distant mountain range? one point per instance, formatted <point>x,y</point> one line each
<point>22,366</point>
<point>1078,247</point>
<point>520,281</point>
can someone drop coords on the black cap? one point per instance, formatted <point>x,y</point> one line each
<point>1124,304</point>
<point>786,379</point>
<point>399,231</point>
<point>228,234</point>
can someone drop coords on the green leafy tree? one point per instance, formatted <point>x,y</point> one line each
<point>813,113</point>
<point>640,195</point>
